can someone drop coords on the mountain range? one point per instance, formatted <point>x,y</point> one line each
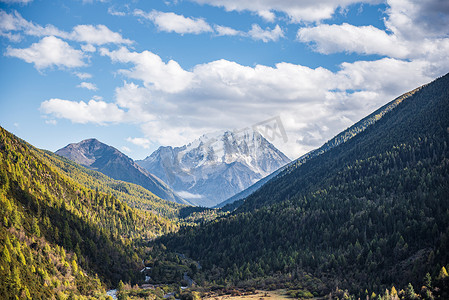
<point>98,156</point>
<point>216,166</point>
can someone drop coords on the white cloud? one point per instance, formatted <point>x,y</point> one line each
<point>417,19</point>
<point>224,30</point>
<point>13,37</point>
<point>97,35</point>
<point>171,22</point>
<point>98,112</point>
<point>141,142</point>
<point>149,67</point>
<point>267,15</point>
<point>349,38</point>
<point>88,85</point>
<point>414,30</point>
<point>15,22</point>
<point>297,11</point>
<point>83,76</point>
<point>267,35</point>
<point>88,48</point>
<point>90,34</point>
<point>49,51</point>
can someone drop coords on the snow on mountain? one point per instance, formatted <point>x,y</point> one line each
<point>215,166</point>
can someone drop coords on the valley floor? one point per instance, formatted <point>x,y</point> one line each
<point>257,295</point>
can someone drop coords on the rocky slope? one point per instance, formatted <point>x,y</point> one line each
<point>216,166</point>
<point>95,155</point>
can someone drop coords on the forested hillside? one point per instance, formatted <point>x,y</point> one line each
<point>132,194</point>
<point>367,214</point>
<point>60,238</point>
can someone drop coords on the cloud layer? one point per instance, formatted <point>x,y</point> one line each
<point>314,104</point>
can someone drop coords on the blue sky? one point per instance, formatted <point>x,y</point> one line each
<point>140,74</point>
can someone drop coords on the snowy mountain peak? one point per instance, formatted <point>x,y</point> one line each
<point>215,166</point>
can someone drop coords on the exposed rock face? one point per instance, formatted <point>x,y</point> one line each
<point>215,167</point>
<point>100,157</point>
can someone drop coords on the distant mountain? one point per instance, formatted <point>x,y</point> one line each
<point>98,156</point>
<point>215,166</point>
<point>341,138</point>
<point>364,215</point>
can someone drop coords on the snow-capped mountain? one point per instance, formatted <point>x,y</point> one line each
<point>216,166</point>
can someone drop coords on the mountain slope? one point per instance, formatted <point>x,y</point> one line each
<point>342,137</point>
<point>366,214</point>
<point>132,194</point>
<point>56,234</point>
<point>106,159</point>
<point>215,167</point>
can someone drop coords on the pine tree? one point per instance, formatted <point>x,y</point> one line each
<point>428,281</point>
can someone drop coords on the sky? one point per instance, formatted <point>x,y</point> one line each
<point>140,74</point>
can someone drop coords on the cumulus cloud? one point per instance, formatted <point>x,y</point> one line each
<point>149,67</point>
<point>297,11</point>
<point>83,76</point>
<point>267,15</point>
<point>416,19</point>
<point>98,112</point>
<point>267,35</point>
<point>415,30</point>
<point>171,22</point>
<point>141,142</point>
<point>88,48</point>
<point>88,85</point>
<point>90,34</point>
<point>349,38</point>
<point>224,30</point>
<point>97,35</point>
<point>49,51</point>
